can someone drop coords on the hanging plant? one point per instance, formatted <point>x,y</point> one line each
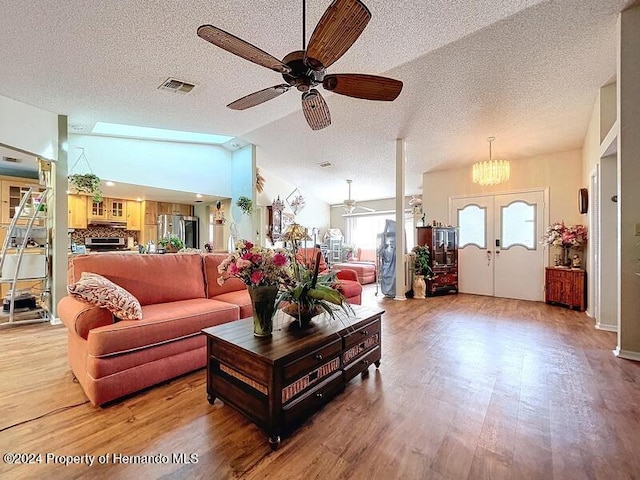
<point>86,183</point>
<point>245,204</point>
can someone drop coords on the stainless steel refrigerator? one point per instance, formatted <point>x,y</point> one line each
<point>183,227</point>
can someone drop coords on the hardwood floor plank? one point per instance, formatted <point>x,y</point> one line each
<point>469,387</point>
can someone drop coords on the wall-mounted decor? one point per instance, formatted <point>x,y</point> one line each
<point>296,201</point>
<point>583,200</point>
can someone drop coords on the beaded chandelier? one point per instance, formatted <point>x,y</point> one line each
<point>491,172</point>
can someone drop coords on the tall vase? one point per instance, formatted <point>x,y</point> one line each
<point>566,256</point>
<point>419,286</point>
<point>263,300</point>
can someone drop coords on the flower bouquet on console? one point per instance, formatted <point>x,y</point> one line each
<point>263,271</point>
<point>565,237</point>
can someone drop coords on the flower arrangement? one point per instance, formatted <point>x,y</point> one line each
<point>255,266</point>
<point>561,235</point>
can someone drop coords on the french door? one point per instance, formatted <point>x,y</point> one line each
<point>499,250</point>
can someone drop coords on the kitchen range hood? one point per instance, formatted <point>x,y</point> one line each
<point>107,223</point>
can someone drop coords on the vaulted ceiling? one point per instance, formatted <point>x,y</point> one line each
<point>524,71</point>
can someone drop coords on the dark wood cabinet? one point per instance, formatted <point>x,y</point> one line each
<point>443,245</point>
<point>566,286</point>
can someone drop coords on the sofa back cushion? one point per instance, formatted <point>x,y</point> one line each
<point>211,275</point>
<point>307,257</point>
<point>150,278</point>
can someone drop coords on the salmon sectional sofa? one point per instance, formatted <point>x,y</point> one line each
<point>178,296</point>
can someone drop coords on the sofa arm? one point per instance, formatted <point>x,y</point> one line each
<point>81,317</point>
<point>347,274</point>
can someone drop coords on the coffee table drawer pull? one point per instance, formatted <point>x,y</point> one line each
<point>319,395</point>
<point>364,332</point>
<point>365,362</point>
<point>319,356</point>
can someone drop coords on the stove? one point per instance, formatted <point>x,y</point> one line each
<point>106,244</point>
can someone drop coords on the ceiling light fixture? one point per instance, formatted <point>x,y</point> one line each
<point>491,172</point>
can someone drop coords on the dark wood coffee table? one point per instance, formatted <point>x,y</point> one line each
<point>281,380</point>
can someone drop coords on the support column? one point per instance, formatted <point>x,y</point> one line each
<point>400,240</point>
<point>628,93</point>
<point>59,233</point>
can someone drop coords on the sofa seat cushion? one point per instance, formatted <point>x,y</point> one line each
<point>350,288</point>
<point>161,323</point>
<point>240,298</point>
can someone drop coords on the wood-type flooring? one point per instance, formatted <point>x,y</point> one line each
<point>470,387</point>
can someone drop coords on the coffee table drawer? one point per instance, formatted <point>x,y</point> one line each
<point>361,364</point>
<point>358,336</point>
<point>312,360</point>
<point>314,399</point>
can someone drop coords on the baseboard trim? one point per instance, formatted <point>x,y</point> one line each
<point>626,354</point>
<point>607,328</point>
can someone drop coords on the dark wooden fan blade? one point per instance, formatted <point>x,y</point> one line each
<point>256,98</point>
<point>315,110</point>
<point>239,47</point>
<point>337,30</point>
<point>369,87</point>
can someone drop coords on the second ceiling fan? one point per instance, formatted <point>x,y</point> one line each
<point>338,29</point>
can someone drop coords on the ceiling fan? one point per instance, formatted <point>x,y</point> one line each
<point>350,205</point>
<point>338,29</point>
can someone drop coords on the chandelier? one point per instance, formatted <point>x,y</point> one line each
<point>491,172</point>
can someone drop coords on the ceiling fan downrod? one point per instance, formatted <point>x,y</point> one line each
<point>304,24</point>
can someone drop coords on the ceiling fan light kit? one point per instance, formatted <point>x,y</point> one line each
<point>491,172</point>
<point>338,29</point>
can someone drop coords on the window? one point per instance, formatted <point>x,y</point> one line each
<point>472,223</point>
<point>518,225</point>
<point>363,231</point>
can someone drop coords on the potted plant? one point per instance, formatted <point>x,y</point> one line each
<point>171,244</point>
<point>308,293</point>
<point>245,204</point>
<point>86,183</point>
<point>422,270</point>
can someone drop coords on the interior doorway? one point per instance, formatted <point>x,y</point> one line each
<point>499,243</point>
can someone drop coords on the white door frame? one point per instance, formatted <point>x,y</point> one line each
<point>544,211</point>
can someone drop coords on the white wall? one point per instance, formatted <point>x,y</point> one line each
<point>315,213</point>
<point>28,128</point>
<point>243,174</point>
<point>186,167</point>
<point>561,172</point>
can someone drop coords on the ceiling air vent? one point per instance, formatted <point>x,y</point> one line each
<point>325,164</point>
<point>11,160</point>
<point>176,86</point>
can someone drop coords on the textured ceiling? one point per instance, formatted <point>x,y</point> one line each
<point>524,71</point>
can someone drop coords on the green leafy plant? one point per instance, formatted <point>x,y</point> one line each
<point>308,293</point>
<point>86,183</point>
<point>422,261</point>
<point>171,242</point>
<point>245,204</point>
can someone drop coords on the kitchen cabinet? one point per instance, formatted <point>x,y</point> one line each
<point>108,209</point>
<point>77,211</point>
<point>148,233</point>
<point>134,221</point>
<point>12,192</point>
<point>174,209</point>
<point>150,212</point>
